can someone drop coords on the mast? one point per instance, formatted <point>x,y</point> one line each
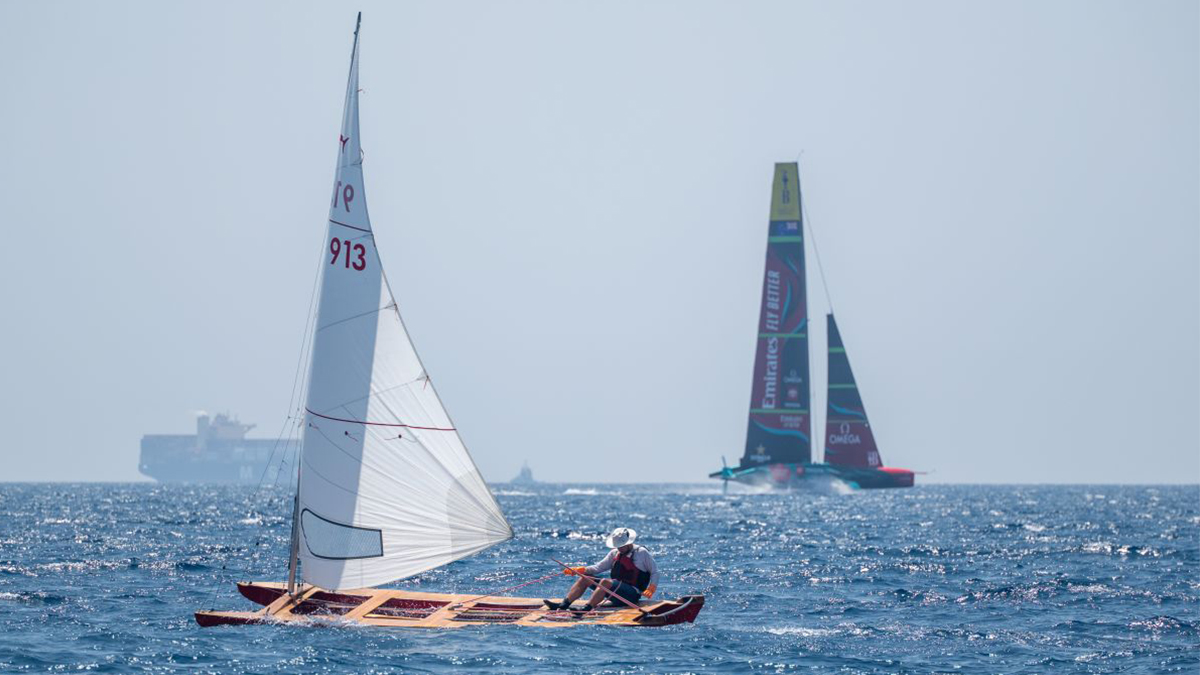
<point>812,234</point>
<point>354,49</point>
<point>294,548</point>
<point>808,344</point>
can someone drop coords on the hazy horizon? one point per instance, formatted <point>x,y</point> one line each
<point>713,483</point>
<point>571,204</point>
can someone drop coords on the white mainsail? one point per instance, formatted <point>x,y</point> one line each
<point>387,489</point>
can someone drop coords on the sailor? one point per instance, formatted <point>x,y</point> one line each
<point>633,573</point>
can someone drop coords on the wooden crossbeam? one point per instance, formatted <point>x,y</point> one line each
<point>283,605</point>
<point>442,615</point>
<point>367,606</point>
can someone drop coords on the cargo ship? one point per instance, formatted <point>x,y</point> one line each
<point>218,452</point>
<point>779,439</point>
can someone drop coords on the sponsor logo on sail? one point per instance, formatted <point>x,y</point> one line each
<point>771,377</point>
<point>793,382</point>
<point>844,436</point>
<point>771,323</point>
<point>792,421</point>
<point>771,317</point>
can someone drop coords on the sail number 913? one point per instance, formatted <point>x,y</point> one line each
<point>339,246</point>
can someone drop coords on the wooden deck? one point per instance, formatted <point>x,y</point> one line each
<point>411,609</point>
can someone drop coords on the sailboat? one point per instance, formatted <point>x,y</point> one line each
<point>779,443</point>
<point>386,489</point>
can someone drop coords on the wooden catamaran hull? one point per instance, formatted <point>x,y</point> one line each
<point>411,609</point>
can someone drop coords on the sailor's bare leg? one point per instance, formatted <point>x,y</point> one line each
<point>577,590</point>
<point>599,596</point>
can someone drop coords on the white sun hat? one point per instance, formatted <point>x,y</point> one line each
<point>620,537</point>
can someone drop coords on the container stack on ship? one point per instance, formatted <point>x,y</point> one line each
<point>218,452</point>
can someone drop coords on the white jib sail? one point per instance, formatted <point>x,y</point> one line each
<point>387,489</point>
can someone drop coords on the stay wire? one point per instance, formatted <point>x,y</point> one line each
<point>816,250</point>
<point>297,379</point>
<point>299,383</point>
<point>511,588</point>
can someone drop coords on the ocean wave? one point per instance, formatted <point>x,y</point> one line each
<point>32,598</point>
<point>803,632</point>
<point>1108,548</point>
<point>590,492</point>
<point>1165,624</point>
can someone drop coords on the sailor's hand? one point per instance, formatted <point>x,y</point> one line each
<point>649,592</point>
<point>572,571</point>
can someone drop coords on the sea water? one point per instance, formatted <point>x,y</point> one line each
<point>973,579</point>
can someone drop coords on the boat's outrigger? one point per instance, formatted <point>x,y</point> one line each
<point>410,609</point>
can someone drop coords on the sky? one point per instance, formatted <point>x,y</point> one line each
<point>571,201</point>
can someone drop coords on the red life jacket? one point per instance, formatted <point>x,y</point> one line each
<point>623,569</point>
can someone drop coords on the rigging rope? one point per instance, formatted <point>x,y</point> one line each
<point>511,588</point>
<point>292,420</point>
<point>813,233</point>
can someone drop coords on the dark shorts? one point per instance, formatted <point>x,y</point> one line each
<point>623,589</point>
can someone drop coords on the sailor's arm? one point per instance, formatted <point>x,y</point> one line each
<point>652,568</point>
<point>602,566</point>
